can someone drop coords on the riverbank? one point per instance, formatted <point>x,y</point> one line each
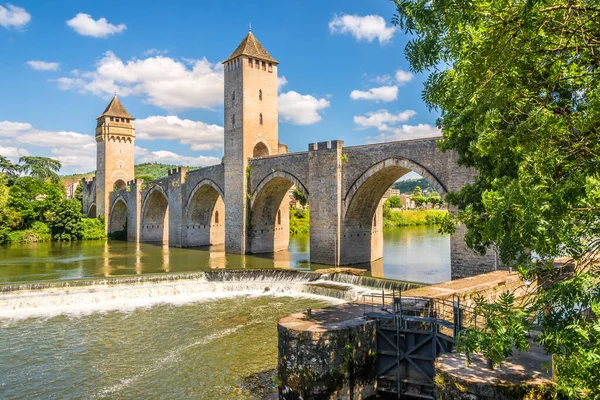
<point>91,229</point>
<point>392,218</point>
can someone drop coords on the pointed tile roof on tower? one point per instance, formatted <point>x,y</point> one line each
<point>116,109</point>
<point>250,46</point>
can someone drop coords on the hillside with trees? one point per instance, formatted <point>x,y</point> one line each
<point>409,185</point>
<point>147,171</point>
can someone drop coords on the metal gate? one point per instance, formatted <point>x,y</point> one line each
<point>411,333</point>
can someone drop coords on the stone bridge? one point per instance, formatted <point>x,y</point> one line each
<point>343,186</point>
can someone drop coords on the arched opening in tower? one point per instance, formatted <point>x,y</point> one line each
<point>377,228</point>
<point>204,218</point>
<point>119,184</point>
<point>92,211</point>
<point>118,218</point>
<point>273,207</point>
<point>260,150</point>
<point>155,218</point>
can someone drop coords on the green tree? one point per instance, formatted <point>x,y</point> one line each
<point>40,167</point>
<point>65,221</point>
<point>517,84</point>
<point>393,202</point>
<point>419,200</point>
<point>7,167</point>
<point>417,191</point>
<point>299,196</point>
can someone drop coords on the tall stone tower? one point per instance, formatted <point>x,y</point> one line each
<point>115,137</point>
<point>250,128</point>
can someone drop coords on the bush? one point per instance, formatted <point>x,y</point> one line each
<point>299,221</point>
<point>118,235</point>
<point>39,232</point>
<point>93,229</point>
<point>395,218</point>
<point>66,220</point>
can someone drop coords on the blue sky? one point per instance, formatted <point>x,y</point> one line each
<point>343,63</point>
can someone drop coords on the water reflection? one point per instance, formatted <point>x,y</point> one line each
<point>417,254</point>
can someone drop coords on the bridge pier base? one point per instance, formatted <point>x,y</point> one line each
<point>465,262</point>
<point>325,183</point>
<point>134,210</point>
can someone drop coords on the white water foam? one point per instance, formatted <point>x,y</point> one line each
<point>77,301</point>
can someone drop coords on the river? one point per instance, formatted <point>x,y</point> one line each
<point>145,333</point>
<point>413,253</point>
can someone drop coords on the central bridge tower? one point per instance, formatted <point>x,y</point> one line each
<point>251,130</point>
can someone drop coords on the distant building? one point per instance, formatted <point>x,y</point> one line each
<point>406,201</point>
<point>391,192</point>
<point>71,188</point>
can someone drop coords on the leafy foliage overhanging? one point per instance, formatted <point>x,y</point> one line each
<point>517,84</point>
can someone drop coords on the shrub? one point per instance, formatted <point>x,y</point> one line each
<point>39,232</point>
<point>93,229</point>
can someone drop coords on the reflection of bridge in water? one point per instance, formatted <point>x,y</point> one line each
<point>243,202</point>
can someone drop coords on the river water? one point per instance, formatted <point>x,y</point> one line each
<point>111,320</point>
<point>414,254</point>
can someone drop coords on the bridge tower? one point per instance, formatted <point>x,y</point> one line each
<point>115,137</point>
<point>251,129</point>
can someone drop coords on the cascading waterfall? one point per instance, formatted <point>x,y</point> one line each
<point>80,297</point>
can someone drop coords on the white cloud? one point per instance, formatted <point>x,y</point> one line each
<point>163,81</point>
<point>403,76</point>
<point>85,25</point>
<point>390,128</point>
<point>13,17</point>
<point>43,65</point>
<point>301,109</point>
<point>369,27</point>
<point>382,119</point>
<point>77,152</point>
<point>163,156</point>
<point>155,52</point>
<point>281,82</point>
<point>198,135</point>
<point>13,152</point>
<point>408,132</point>
<point>384,93</point>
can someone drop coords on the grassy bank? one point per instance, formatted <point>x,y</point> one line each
<point>395,218</point>
<point>300,219</point>
<point>92,229</point>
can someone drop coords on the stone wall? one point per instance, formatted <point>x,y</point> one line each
<point>329,362</point>
<point>521,376</point>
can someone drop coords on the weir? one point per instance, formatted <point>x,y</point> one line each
<point>126,293</point>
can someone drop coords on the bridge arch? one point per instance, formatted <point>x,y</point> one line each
<point>155,216</point>
<point>270,230</point>
<point>119,184</point>
<point>260,150</point>
<point>362,227</point>
<point>204,216</point>
<point>92,211</point>
<point>117,216</point>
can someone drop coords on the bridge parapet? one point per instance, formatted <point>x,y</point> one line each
<point>293,164</point>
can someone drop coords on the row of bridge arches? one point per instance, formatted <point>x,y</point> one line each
<point>203,212</point>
